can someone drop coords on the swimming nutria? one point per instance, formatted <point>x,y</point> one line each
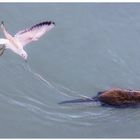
<point>113,97</point>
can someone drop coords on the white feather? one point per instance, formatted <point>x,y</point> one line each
<point>3,41</point>
<point>24,37</point>
<point>34,33</point>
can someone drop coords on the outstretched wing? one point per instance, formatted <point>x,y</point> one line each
<point>34,33</point>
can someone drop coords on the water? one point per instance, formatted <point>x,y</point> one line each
<point>93,47</point>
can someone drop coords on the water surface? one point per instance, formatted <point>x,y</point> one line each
<point>93,47</point>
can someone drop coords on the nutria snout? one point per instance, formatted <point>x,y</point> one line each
<point>113,97</point>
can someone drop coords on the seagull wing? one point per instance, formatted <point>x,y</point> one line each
<point>34,33</point>
<point>3,41</point>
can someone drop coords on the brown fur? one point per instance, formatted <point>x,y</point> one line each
<point>120,97</point>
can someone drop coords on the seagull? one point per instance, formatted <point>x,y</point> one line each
<point>17,42</point>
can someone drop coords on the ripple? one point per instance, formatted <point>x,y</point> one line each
<point>85,114</point>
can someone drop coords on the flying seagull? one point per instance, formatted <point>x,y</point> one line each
<point>17,42</point>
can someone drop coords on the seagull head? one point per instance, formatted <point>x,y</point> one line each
<point>24,55</point>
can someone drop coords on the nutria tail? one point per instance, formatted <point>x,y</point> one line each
<point>93,99</point>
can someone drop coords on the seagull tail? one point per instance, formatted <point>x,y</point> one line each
<point>2,49</point>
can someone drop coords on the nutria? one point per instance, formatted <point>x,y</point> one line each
<point>113,97</point>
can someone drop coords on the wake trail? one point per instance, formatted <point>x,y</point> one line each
<point>51,86</point>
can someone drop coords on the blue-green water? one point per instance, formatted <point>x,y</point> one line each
<point>93,47</point>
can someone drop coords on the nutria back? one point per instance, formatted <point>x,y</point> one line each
<point>120,97</point>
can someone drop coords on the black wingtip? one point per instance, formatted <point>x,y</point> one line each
<point>2,22</point>
<point>42,24</point>
<point>48,22</point>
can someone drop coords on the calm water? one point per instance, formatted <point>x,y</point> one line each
<point>92,48</point>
